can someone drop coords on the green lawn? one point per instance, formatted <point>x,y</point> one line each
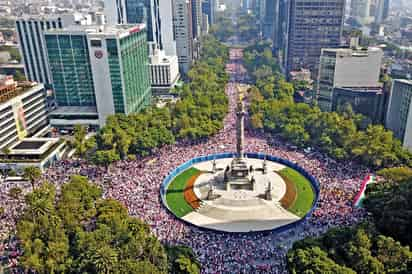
<point>305,193</point>
<point>174,194</point>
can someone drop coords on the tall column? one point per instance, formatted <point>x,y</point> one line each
<point>240,128</point>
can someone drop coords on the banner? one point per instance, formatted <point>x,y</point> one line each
<point>20,119</point>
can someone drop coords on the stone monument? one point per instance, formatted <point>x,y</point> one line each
<point>237,175</point>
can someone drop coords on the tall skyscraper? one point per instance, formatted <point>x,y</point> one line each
<point>270,18</point>
<point>399,115</point>
<point>350,68</point>
<point>156,14</point>
<point>32,46</point>
<point>105,68</point>
<point>196,18</point>
<point>115,11</point>
<point>135,12</point>
<point>360,9</point>
<point>313,25</point>
<point>381,11</point>
<point>280,31</point>
<point>166,27</point>
<point>209,8</point>
<point>183,34</point>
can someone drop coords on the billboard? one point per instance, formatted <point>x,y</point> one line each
<point>20,120</point>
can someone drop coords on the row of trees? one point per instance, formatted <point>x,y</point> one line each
<point>259,61</point>
<point>198,114</point>
<point>343,136</point>
<point>350,250</point>
<point>378,246</point>
<point>390,202</point>
<point>78,231</point>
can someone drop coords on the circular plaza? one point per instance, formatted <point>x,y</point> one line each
<point>226,193</point>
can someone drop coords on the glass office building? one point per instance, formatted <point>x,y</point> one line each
<point>313,25</point>
<point>102,67</point>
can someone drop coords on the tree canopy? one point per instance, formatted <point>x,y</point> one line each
<point>350,250</point>
<point>80,232</point>
<point>198,113</point>
<point>343,136</point>
<point>390,202</point>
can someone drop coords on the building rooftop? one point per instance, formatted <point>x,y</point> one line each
<point>76,110</point>
<point>404,81</point>
<point>17,89</point>
<point>353,52</point>
<point>121,30</point>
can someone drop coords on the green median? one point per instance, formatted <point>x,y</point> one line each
<point>175,193</point>
<point>305,194</point>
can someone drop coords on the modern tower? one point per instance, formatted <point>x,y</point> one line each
<point>344,67</point>
<point>381,11</point>
<point>399,115</point>
<point>183,34</point>
<point>313,25</point>
<point>196,18</point>
<point>156,14</point>
<point>103,68</point>
<point>209,8</point>
<point>32,46</point>
<point>359,9</point>
<point>270,18</point>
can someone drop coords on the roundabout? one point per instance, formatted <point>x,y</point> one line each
<point>240,192</point>
<point>281,196</point>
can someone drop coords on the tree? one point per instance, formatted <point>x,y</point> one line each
<point>32,174</point>
<point>6,151</point>
<point>105,158</point>
<point>314,260</point>
<point>81,144</point>
<point>18,76</point>
<point>350,250</point>
<point>396,174</point>
<point>80,232</point>
<point>391,208</point>
<point>182,260</point>
<point>15,193</point>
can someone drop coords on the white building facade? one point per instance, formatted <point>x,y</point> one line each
<point>183,34</point>
<point>399,115</point>
<point>32,45</point>
<point>164,72</point>
<point>347,68</point>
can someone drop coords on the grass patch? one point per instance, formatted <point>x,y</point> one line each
<point>304,191</point>
<point>175,193</point>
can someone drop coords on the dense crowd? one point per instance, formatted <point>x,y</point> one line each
<point>136,184</point>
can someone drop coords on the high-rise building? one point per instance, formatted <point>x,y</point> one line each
<point>270,18</point>
<point>166,27</point>
<point>101,70</point>
<point>156,14</point>
<point>183,34</point>
<point>164,71</point>
<point>354,68</point>
<point>209,8</point>
<point>23,126</point>
<point>313,25</point>
<point>280,31</point>
<point>399,115</point>
<point>370,102</point>
<point>115,11</point>
<point>359,9</point>
<point>135,12</point>
<point>32,46</point>
<point>196,18</point>
<point>381,11</point>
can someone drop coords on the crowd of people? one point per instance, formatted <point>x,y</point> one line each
<point>136,183</point>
